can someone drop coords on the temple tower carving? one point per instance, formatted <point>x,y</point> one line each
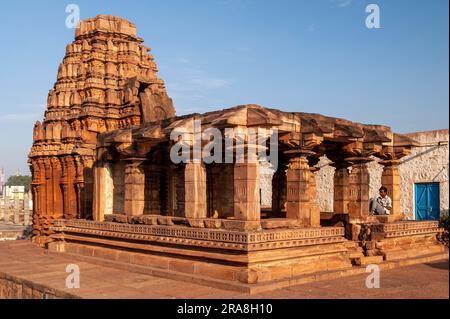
<point>106,81</point>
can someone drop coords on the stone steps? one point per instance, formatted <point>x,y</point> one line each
<point>369,260</point>
<point>355,252</point>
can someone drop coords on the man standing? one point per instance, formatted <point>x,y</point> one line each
<point>381,205</point>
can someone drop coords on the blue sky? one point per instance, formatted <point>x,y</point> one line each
<point>310,56</point>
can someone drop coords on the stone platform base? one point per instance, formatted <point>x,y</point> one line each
<point>252,261</point>
<point>220,258</point>
<point>404,239</point>
<point>264,286</point>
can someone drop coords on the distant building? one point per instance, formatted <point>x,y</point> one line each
<point>2,182</point>
<point>14,192</point>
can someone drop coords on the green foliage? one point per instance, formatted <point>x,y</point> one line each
<point>19,181</point>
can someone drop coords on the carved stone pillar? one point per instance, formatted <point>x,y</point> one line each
<point>88,186</point>
<point>64,188</point>
<point>358,207</point>
<point>195,190</point>
<point>79,186</point>
<point>154,187</point>
<point>57,193</point>
<point>341,187</point>
<point>298,192</point>
<point>41,197</point>
<point>103,191</point>
<point>391,180</point>
<point>99,194</point>
<point>247,203</point>
<point>66,202</point>
<point>315,210</point>
<point>71,191</point>
<point>279,191</point>
<point>134,187</point>
<point>35,188</point>
<point>48,187</point>
<point>38,180</point>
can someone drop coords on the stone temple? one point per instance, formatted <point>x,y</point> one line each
<point>104,185</point>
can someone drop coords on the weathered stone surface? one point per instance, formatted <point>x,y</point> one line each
<point>117,218</point>
<point>213,223</point>
<point>241,225</point>
<point>149,219</point>
<point>165,220</point>
<point>275,223</point>
<point>198,223</point>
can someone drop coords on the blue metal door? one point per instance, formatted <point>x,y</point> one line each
<point>427,204</point>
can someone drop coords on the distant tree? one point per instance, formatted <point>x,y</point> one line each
<point>19,181</point>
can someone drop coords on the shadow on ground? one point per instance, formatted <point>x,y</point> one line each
<point>439,265</point>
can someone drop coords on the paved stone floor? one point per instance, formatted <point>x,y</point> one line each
<point>21,259</point>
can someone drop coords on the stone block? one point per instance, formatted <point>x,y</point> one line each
<point>105,253</point>
<point>134,220</point>
<point>305,267</point>
<point>213,223</point>
<point>395,255</point>
<point>149,260</point>
<point>121,219</point>
<point>180,221</point>
<point>149,219</point>
<point>197,223</point>
<point>109,218</point>
<point>248,276</point>
<point>241,225</point>
<point>56,246</point>
<point>371,260</point>
<point>216,271</point>
<point>275,223</point>
<point>184,266</point>
<point>165,220</point>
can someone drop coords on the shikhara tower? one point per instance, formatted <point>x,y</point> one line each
<point>106,81</point>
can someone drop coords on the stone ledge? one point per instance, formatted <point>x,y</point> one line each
<point>275,223</point>
<point>241,225</point>
<point>205,234</point>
